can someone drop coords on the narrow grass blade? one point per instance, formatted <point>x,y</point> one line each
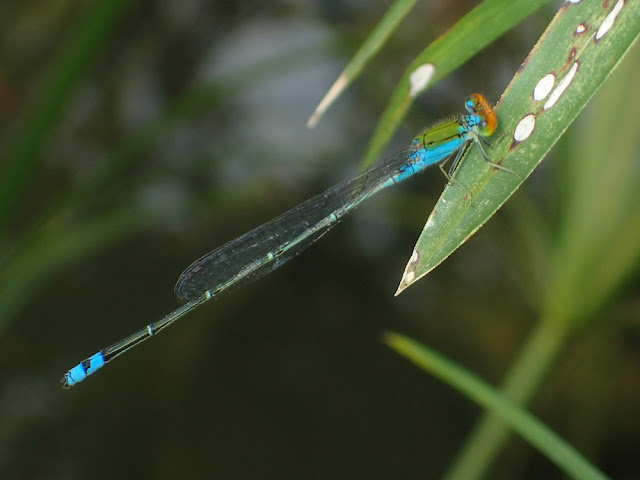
<point>535,432</point>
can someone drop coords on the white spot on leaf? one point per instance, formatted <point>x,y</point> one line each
<point>409,277</point>
<point>420,77</point>
<point>607,23</point>
<point>544,86</point>
<point>525,128</point>
<point>562,86</point>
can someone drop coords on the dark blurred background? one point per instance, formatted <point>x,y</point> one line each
<point>186,130</point>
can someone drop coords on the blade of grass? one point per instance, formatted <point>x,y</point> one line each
<point>535,432</point>
<point>526,374</point>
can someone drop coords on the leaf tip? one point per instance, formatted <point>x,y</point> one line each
<point>409,275</point>
<point>336,89</point>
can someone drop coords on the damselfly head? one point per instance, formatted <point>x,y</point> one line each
<point>477,104</point>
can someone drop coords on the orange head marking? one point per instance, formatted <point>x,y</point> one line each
<point>476,104</point>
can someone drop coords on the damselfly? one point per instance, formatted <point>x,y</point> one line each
<point>267,247</point>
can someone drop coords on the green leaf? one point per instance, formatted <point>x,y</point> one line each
<point>577,52</point>
<point>535,432</point>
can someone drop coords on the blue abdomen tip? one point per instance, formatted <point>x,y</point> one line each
<point>83,370</point>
